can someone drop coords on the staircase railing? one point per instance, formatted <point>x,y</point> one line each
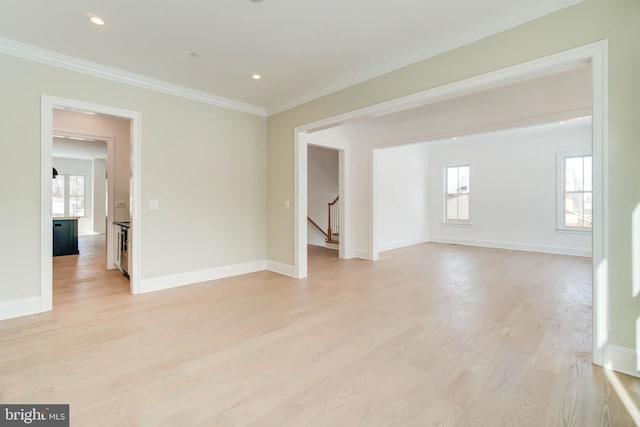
<point>333,230</point>
<point>324,233</point>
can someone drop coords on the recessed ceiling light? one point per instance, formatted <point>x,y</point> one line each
<point>256,1</point>
<point>194,55</point>
<point>96,20</point>
<point>256,76</point>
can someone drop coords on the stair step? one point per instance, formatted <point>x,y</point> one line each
<point>332,245</point>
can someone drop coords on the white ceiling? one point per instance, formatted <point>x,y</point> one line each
<point>75,149</point>
<point>558,96</point>
<point>549,99</point>
<point>303,49</point>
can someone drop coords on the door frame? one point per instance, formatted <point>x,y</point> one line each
<point>48,104</point>
<point>595,54</point>
<point>303,140</point>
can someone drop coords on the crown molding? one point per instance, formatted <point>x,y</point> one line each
<point>36,54</point>
<point>478,32</point>
<point>484,29</point>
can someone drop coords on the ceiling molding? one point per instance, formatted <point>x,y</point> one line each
<point>32,53</point>
<point>482,30</point>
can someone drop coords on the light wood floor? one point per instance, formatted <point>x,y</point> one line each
<point>428,335</point>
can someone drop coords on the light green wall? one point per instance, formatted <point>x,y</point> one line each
<point>206,165</point>
<point>587,22</point>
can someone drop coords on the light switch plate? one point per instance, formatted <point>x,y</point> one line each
<point>120,204</point>
<point>154,205</point>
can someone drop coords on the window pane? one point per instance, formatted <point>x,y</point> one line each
<point>574,209</point>
<point>578,203</point>
<point>452,208</point>
<point>463,177</point>
<point>573,174</point>
<point>76,206</point>
<point>457,201</point>
<point>452,180</point>
<point>463,207</point>
<point>76,185</point>
<point>458,207</point>
<point>588,186</point>
<point>57,207</point>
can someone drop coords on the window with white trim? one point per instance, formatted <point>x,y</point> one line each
<point>576,202</point>
<point>457,197</point>
<point>68,196</point>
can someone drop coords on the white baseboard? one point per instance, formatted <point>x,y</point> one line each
<point>319,245</point>
<point>623,359</point>
<point>280,268</point>
<point>548,249</point>
<point>397,244</point>
<point>190,278</point>
<point>28,306</point>
<point>360,255</point>
<point>20,307</point>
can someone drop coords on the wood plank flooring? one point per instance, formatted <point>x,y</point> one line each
<point>431,335</point>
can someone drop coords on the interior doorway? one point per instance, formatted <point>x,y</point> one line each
<point>91,167</point>
<point>303,143</point>
<point>110,200</point>
<point>323,200</point>
<point>596,56</point>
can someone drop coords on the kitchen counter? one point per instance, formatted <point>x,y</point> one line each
<point>123,223</point>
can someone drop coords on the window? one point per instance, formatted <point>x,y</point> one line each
<point>457,198</point>
<point>577,193</point>
<point>68,196</point>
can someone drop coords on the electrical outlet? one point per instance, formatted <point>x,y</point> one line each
<point>287,204</point>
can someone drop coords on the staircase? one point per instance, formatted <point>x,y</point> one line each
<point>332,235</point>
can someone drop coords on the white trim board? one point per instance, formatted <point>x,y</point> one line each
<point>193,277</point>
<point>43,56</point>
<point>623,359</point>
<point>28,306</point>
<point>20,307</point>
<point>209,274</point>
<point>397,244</point>
<point>597,55</point>
<point>280,268</point>
<point>513,246</point>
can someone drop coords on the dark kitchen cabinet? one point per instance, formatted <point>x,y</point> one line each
<point>65,237</point>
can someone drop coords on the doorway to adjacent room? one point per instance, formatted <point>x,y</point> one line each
<point>94,150</point>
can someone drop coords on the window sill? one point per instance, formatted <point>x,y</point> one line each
<point>566,230</point>
<point>456,223</point>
